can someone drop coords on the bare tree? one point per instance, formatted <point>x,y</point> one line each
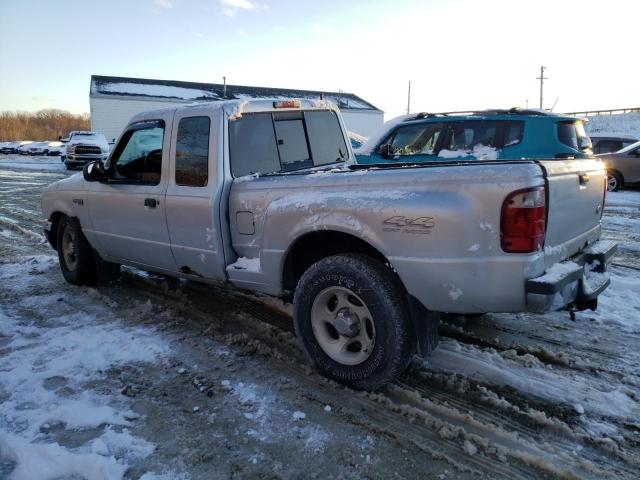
<point>46,124</point>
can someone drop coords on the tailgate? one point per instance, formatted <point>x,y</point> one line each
<point>575,196</point>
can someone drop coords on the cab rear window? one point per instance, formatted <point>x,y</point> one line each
<point>285,141</point>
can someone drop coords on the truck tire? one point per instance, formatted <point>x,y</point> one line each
<point>353,321</point>
<point>74,253</point>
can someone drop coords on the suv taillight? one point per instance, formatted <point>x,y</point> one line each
<point>523,220</point>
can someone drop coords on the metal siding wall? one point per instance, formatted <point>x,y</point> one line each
<point>109,116</point>
<point>363,123</point>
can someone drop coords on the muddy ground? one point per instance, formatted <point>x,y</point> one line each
<point>152,378</point>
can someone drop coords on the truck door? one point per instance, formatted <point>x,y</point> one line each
<point>128,211</point>
<point>193,195</point>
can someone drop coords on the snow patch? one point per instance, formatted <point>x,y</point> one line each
<point>479,152</point>
<point>245,263</point>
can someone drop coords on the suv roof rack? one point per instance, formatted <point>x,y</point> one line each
<point>430,115</point>
<point>490,111</point>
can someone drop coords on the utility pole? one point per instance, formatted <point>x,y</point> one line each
<point>409,98</point>
<point>224,87</point>
<point>542,78</point>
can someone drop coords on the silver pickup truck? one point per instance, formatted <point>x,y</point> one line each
<point>263,195</point>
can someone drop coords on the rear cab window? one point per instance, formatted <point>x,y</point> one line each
<point>275,142</point>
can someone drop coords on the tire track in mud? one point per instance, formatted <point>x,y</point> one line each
<point>448,426</point>
<point>411,413</point>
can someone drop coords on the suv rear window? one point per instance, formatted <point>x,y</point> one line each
<point>285,141</point>
<point>569,134</point>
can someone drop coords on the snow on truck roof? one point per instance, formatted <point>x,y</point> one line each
<point>235,108</point>
<point>103,86</point>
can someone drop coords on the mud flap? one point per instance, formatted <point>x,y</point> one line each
<point>106,272</point>
<point>425,325</point>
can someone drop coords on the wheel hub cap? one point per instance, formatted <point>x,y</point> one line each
<point>342,325</point>
<point>347,323</point>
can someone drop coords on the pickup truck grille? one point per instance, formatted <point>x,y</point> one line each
<point>87,149</point>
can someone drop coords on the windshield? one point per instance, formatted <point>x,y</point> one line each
<point>285,141</point>
<point>629,148</point>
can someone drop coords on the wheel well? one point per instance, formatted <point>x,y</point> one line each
<point>312,247</point>
<point>617,172</point>
<point>53,234</point>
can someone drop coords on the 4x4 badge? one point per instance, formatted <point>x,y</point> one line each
<point>408,225</point>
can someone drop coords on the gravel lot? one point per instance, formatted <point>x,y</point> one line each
<point>154,378</point>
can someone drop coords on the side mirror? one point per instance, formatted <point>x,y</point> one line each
<point>59,138</point>
<point>385,151</point>
<point>94,171</point>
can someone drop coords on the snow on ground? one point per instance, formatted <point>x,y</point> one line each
<point>533,379</point>
<point>31,163</point>
<point>43,374</point>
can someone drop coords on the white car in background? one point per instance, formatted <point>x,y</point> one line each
<point>23,148</point>
<point>56,149</point>
<point>83,147</point>
<point>38,148</point>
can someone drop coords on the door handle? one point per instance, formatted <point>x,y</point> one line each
<point>150,202</point>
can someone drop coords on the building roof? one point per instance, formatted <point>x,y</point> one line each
<point>102,86</point>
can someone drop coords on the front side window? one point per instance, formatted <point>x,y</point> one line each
<point>285,141</point>
<point>192,151</point>
<point>608,146</point>
<point>417,139</point>
<point>138,157</point>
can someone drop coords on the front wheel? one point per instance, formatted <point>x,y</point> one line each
<point>352,318</point>
<point>614,181</point>
<point>74,253</point>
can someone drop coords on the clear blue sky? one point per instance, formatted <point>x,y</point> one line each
<point>459,54</point>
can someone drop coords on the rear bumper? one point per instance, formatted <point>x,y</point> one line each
<point>576,282</point>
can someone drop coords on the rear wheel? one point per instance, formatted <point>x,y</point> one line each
<point>614,181</point>
<point>74,253</point>
<point>352,318</point>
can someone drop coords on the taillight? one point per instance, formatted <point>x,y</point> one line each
<point>522,224</point>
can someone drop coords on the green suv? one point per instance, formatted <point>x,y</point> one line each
<point>485,135</point>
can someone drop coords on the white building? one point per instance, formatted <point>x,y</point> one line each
<point>114,100</point>
<point>623,122</point>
